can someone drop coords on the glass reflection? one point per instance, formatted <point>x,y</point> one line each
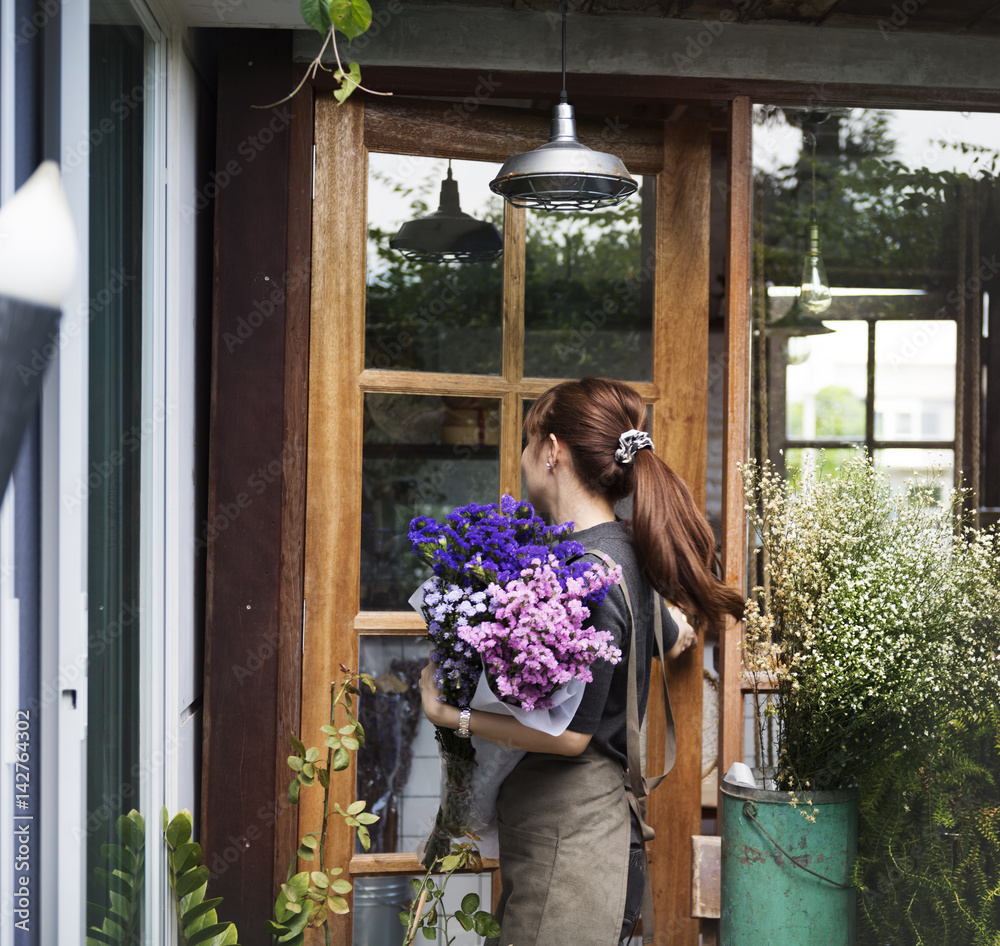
<point>903,200</point>
<point>423,455</point>
<point>826,380</point>
<point>915,380</point>
<point>913,464</point>
<point>427,315</point>
<point>588,305</point>
<point>398,769</point>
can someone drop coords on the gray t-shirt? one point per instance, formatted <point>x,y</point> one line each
<point>603,711</point>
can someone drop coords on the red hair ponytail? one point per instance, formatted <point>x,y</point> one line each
<point>672,540</point>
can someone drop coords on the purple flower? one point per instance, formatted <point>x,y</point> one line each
<point>480,556</point>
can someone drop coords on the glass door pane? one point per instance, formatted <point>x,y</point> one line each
<point>826,381</point>
<point>588,304</point>
<point>427,314</point>
<point>423,455</point>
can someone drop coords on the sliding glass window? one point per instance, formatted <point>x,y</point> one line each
<point>118,87</point>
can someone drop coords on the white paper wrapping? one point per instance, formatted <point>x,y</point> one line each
<point>495,762</point>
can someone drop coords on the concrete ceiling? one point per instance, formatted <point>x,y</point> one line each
<point>893,44</point>
<point>963,17</point>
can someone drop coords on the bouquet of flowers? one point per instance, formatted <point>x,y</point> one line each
<point>506,612</point>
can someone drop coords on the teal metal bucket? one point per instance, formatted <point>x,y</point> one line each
<point>785,879</point>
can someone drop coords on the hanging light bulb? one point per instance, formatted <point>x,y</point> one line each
<point>563,174</point>
<point>448,235</point>
<point>814,294</point>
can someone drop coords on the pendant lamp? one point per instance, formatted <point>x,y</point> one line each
<point>796,322</point>
<point>448,234</point>
<point>814,291</point>
<point>563,174</point>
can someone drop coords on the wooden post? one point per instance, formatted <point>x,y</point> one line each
<point>735,425</point>
<point>333,499</point>
<point>680,432</point>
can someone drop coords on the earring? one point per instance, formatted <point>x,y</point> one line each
<point>548,466</point>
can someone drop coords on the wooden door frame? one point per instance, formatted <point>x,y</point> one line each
<point>338,380</point>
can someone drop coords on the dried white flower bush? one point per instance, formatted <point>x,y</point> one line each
<point>878,611</point>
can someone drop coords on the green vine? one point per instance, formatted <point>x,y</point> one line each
<point>427,913</point>
<point>327,17</point>
<point>307,898</point>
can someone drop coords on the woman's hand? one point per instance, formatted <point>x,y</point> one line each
<point>686,636</point>
<point>440,714</point>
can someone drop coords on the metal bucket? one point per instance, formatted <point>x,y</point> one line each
<point>786,879</point>
<point>378,901</point>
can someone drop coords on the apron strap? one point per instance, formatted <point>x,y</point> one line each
<point>638,786</point>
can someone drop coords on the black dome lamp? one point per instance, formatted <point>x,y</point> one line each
<point>448,234</point>
<point>563,174</point>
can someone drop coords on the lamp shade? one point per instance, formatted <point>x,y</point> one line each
<point>563,174</point>
<point>797,321</point>
<point>448,234</point>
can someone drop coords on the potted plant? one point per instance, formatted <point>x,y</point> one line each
<point>859,627</point>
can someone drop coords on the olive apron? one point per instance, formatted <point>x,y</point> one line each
<point>564,827</point>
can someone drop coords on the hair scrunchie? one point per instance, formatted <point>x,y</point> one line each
<point>630,443</point>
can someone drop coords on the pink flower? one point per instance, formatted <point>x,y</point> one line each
<point>537,641</point>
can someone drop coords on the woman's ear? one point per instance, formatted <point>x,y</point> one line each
<point>554,451</point>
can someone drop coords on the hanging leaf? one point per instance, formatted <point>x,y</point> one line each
<point>351,17</point>
<point>316,14</point>
<point>348,82</point>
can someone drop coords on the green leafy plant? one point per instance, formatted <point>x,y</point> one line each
<point>427,913</point>
<point>307,898</point>
<point>121,923</point>
<point>327,17</point>
<point>197,922</point>
<point>928,864</point>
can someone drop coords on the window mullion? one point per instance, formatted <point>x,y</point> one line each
<point>870,392</point>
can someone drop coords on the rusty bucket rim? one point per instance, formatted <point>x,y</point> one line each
<point>772,796</point>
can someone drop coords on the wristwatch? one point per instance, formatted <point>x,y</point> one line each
<point>464,718</point>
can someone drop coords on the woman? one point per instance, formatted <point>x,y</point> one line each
<point>572,857</point>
